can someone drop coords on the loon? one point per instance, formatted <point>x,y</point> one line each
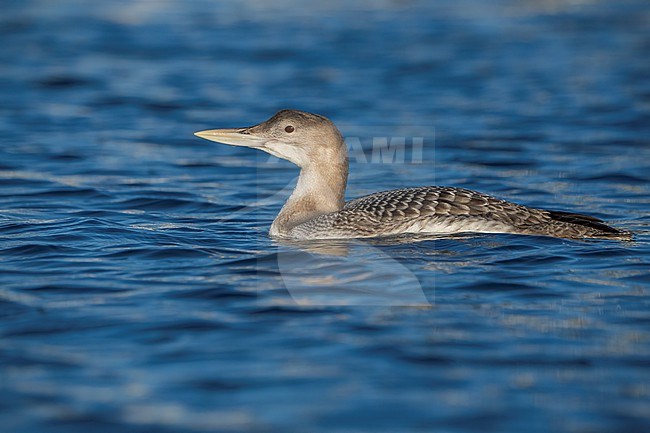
<point>317,209</point>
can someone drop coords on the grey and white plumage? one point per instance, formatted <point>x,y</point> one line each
<point>317,209</point>
<point>436,209</point>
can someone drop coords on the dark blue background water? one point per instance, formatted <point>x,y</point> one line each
<point>140,292</point>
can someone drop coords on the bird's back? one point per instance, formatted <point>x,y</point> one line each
<point>445,210</point>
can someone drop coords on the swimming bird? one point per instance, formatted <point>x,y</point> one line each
<point>317,209</point>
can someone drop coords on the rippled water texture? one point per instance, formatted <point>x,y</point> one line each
<point>139,289</point>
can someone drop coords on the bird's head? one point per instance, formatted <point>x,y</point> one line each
<point>300,137</point>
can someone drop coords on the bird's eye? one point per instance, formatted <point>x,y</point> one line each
<point>289,129</point>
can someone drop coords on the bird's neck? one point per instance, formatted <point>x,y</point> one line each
<point>320,190</point>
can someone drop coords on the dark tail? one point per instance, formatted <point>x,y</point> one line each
<point>593,227</point>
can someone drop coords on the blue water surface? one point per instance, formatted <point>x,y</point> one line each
<point>140,291</point>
